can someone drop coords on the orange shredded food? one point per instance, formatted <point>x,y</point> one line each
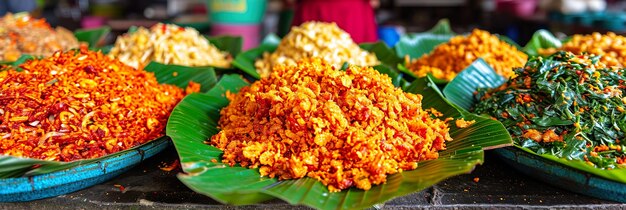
<point>80,105</point>
<point>344,129</point>
<point>462,123</point>
<point>23,34</point>
<point>610,46</point>
<point>548,136</point>
<point>192,87</point>
<point>450,58</point>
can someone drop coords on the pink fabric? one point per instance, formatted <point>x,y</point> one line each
<point>353,16</point>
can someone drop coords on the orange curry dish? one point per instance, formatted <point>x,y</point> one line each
<point>343,128</point>
<point>80,105</point>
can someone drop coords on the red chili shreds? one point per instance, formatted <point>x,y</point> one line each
<point>80,105</point>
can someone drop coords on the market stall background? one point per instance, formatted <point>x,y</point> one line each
<point>396,18</point>
<point>515,19</point>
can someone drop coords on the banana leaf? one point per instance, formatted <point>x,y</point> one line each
<point>11,166</point>
<point>195,120</point>
<point>478,75</point>
<point>230,44</point>
<point>182,75</point>
<point>92,36</point>
<point>104,49</point>
<point>389,62</point>
<point>397,78</point>
<point>385,54</point>
<point>412,75</point>
<point>541,39</point>
<point>417,44</point>
<point>23,59</point>
<point>16,64</point>
<point>461,89</point>
<point>413,46</point>
<point>245,60</point>
<point>442,27</point>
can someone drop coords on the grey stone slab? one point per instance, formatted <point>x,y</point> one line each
<point>500,184</point>
<point>499,187</point>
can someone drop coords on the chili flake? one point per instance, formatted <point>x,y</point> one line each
<point>96,106</point>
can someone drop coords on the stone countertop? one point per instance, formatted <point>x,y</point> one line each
<point>147,186</point>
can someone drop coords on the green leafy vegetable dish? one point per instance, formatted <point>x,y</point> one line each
<point>566,105</point>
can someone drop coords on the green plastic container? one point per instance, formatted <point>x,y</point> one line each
<point>247,12</point>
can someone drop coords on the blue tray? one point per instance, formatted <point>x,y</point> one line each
<point>562,176</point>
<point>79,177</point>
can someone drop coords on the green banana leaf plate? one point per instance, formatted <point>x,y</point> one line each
<point>24,179</point>
<point>92,36</point>
<point>413,46</point>
<point>230,44</point>
<point>417,44</point>
<point>573,175</point>
<point>195,120</point>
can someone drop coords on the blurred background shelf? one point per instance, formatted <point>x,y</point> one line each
<point>517,19</point>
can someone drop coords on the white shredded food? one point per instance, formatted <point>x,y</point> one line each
<point>168,44</point>
<point>316,39</point>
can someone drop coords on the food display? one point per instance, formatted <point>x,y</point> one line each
<point>610,46</point>
<point>343,128</point>
<point>316,39</point>
<point>450,58</point>
<point>324,124</point>
<point>567,105</point>
<point>80,105</point>
<point>22,34</point>
<point>168,44</point>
